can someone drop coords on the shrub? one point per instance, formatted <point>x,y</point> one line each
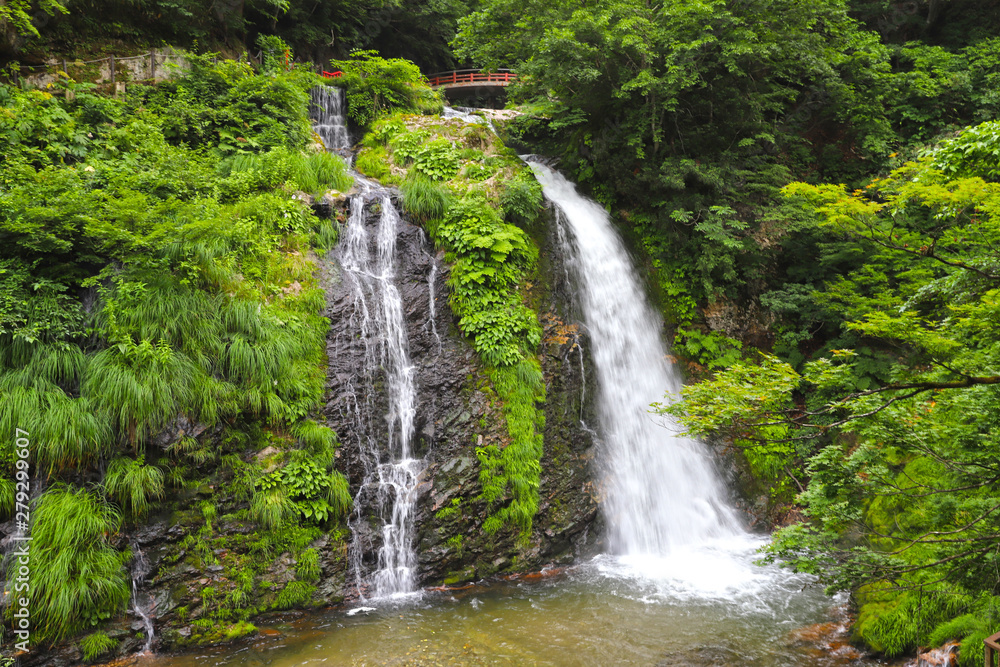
<point>78,580</point>
<point>131,484</point>
<point>97,644</point>
<point>423,198</point>
<point>377,86</point>
<point>437,160</point>
<point>406,145</point>
<point>521,200</point>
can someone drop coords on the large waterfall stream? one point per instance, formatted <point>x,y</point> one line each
<point>666,511</point>
<point>662,492</point>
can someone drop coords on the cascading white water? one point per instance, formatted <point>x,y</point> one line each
<point>140,601</point>
<point>466,115</point>
<point>432,311</point>
<point>328,111</point>
<point>389,486</point>
<point>661,489</point>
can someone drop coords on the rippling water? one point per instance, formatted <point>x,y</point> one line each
<point>704,606</point>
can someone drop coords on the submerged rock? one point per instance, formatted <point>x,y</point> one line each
<point>944,656</point>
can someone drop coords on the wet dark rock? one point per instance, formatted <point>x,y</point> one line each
<point>944,656</point>
<point>57,656</point>
<point>457,412</point>
<point>181,427</point>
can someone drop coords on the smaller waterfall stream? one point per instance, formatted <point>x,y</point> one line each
<point>391,471</point>
<point>328,111</point>
<point>141,604</point>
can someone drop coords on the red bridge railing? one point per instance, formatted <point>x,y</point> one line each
<point>471,77</point>
<point>992,649</point>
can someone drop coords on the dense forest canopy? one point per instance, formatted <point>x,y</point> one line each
<point>856,369</point>
<point>813,187</point>
<point>419,31</point>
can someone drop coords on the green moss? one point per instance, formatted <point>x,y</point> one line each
<point>460,576</point>
<point>456,544</point>
<point>207,632</point>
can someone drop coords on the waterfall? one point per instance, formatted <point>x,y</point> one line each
<point>661,489</point>
<point>391,472</point>
<point>141,604</point>
<point>328,111</point>
<point>389,487</point>
<point>432,313</point>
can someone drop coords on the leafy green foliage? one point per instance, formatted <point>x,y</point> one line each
<point>490,257</point>
<point>378,86</point>
<point>304,488</point>
<point>437,160</point>
<point>901,496</point>
<point>156,272</point>
<point>405,145</point>
<point>521,200</point>
<point>18,14</point>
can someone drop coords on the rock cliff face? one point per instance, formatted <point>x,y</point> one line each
<point>195,559</point>
<point>457,412</point>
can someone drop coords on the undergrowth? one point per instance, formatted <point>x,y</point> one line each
<point>154,275</point>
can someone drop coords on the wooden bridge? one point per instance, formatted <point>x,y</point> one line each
<point>471,78</point>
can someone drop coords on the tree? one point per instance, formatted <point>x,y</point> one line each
<point>17,14</point>
<point>376,86</point>
<point>903,493</point>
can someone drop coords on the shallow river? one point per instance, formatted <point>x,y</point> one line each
<point>722,610</point>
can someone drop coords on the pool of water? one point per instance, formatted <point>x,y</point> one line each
<point>708,605</point>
